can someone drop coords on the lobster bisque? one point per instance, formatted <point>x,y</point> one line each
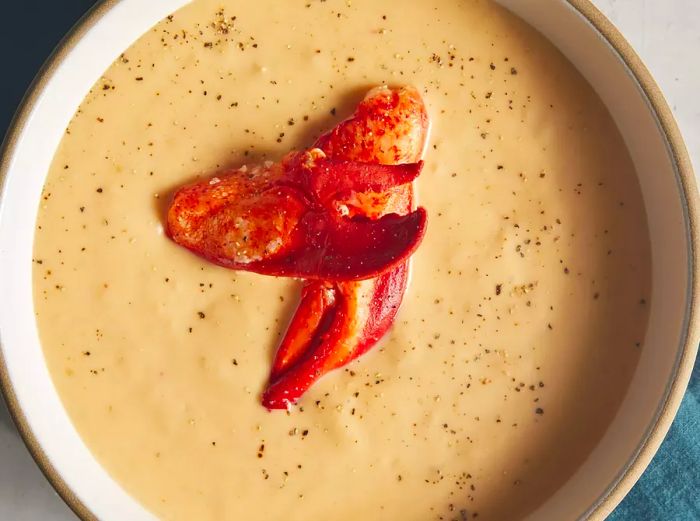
<point>524,315</point>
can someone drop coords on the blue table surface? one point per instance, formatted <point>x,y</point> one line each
<point>670,488</point>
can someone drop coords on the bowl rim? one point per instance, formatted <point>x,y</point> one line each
<point>682,370</point>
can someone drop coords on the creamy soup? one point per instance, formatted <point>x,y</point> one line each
<point>524,318</point>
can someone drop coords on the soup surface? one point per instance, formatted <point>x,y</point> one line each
<point>517,338</point>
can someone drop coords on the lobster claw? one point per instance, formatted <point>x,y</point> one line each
<point>338,215</point>
<point>287,219</point>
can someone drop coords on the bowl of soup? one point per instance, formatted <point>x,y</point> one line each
<point>549,326</point>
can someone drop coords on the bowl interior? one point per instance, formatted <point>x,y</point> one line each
<point>113,28</point>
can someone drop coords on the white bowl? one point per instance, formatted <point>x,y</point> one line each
<point>583,35</point>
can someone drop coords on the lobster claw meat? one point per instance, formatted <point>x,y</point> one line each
<point>336,322</point>
<point>326,330</point>
<point>339,216</point>
<point>290,218</point>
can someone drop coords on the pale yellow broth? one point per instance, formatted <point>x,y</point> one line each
<point>526,311</point>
